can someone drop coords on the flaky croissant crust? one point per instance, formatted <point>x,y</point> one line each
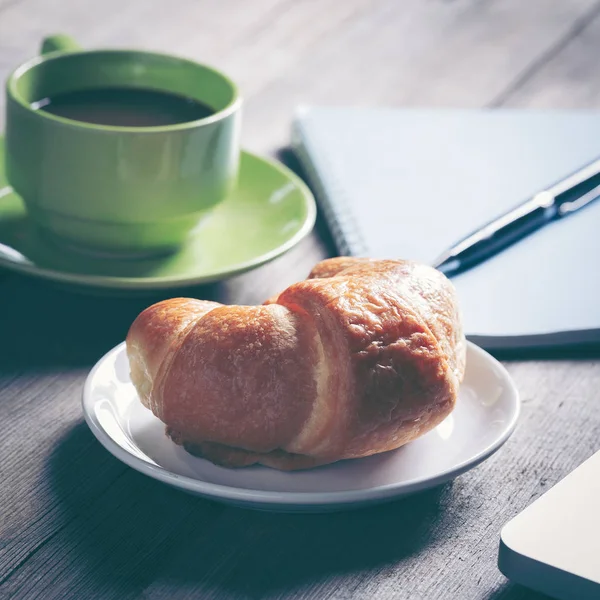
<point>360,358</point>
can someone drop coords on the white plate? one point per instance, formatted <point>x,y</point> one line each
<point>485,416</point>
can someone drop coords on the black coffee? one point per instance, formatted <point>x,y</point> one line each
<point>125,106</point>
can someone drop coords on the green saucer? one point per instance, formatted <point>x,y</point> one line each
<point>270,212</point>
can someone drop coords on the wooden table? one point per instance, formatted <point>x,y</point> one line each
<point>76,523</point>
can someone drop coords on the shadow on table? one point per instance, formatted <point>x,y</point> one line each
<point>511,591</point>
<point>52,326</point>
<point>130,533</point>
<point>584,351</point>
<point>121,525</point>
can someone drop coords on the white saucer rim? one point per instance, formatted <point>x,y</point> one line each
<point>219,492</point>
<point>167,282</point>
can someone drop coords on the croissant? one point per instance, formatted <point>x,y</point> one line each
<point>360,358</point>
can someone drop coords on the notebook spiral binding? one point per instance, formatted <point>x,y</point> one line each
<point>338,215</point>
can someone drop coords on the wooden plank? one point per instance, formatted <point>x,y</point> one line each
<point>414,54</point>
<point>312,51</point>
<point>568,79</point>
<point>6,3</point>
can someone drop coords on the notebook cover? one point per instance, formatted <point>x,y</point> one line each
<point>408,183</point>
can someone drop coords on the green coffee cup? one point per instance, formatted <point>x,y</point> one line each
<point>115,189</point>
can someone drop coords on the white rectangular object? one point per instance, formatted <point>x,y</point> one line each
<point>553,546</point>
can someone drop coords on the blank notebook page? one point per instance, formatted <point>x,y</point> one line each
<point>410,183</point>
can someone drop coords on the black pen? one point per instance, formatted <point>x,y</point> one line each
<point>568,195</point>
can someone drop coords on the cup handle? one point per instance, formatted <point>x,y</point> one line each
<point>59,43</point>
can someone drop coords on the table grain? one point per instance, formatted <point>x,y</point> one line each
<point>76,523</point>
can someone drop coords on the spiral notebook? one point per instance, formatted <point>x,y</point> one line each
<point>408,183</point>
